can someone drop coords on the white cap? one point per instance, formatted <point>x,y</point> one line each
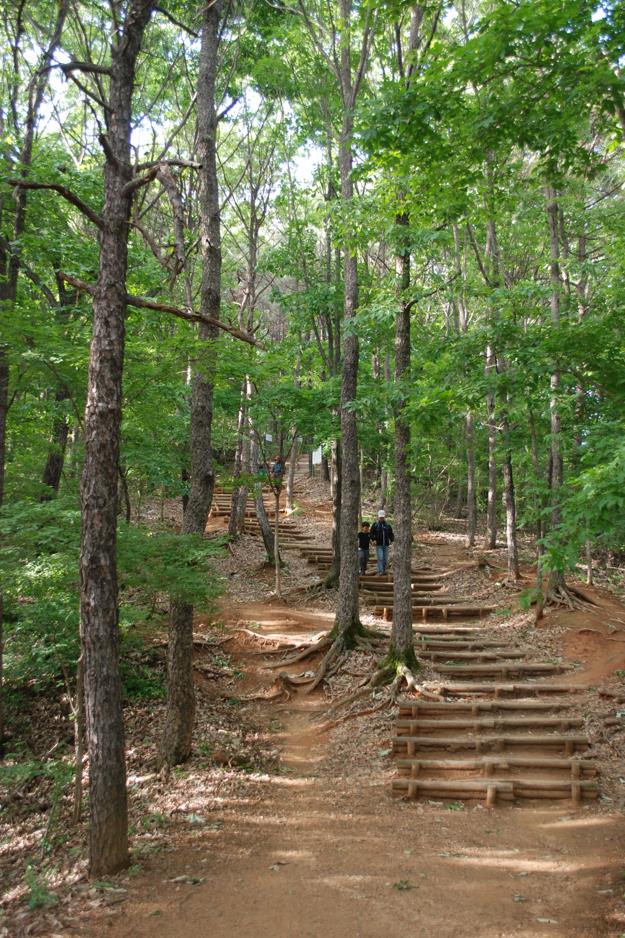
<point>381,513</point>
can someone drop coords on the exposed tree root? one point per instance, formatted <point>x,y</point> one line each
<point>560,594</point>
<point>283,688</point>
<point>304,653</point>
<point>324,727</point>
<point>335,650</point>
<point>398,677</point>
<point>253,634</point>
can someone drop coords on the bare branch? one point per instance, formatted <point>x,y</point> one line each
<point>88,92</point>
<point>227,109</point>
<point>182,164</point>
<point>172,19</point>
<point>87,67</point>
<point>67,194</point>
<point>142,302</point>
<point>478,256</point>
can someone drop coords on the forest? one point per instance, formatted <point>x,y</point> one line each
<point>386,235</point>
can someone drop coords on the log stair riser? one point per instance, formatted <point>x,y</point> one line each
<point>479,724</point>
<point>410,744</point>
<point>494,792</point>
<point>573,768</point>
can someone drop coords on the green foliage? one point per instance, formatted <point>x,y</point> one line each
<point>39,556</point>
<point>39,894</point>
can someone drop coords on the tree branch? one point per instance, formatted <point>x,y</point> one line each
<point>67,194</point>
<point>172,19</point>
<point>478,256</point>
<point>88,67</point>
<point>142,302</point>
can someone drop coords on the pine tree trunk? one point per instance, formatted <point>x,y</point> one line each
<point>290,478</point>
<point>108,834</point>
<point>233,521</point>
<point>53,468</point>
<point>325,468</point>
<point>261,514</point>
<point>471,483</point>
<point>178,732</point>
<point>332,578</point>
<point>347,620</point>
<point>402,642</point>
<point>511,531</point>
<point>491,510</point>
<point>556,475</point>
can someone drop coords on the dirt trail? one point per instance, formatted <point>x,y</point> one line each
<point>327,853</point>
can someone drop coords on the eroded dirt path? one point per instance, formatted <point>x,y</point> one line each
<point>322,849</point>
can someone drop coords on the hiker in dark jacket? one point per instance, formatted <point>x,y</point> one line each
<point>382,536</point>
<point>364,539</point>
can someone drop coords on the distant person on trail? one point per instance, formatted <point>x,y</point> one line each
<point>382,536</point>
<point>277,471</point>
<point>363,547</point>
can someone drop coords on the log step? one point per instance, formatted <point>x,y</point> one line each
<point>418,600</point>
<point>494,791</point>
<point>499,690</point>
<point>503,670</point>
<point>448,631</point>
<point>457,655</point>
<point>413,708</point>
<point>444,644</point>
<point>489,743</point>
<point>491,790</point>
<point>414,726</point>
<point>426,612</point>
<point>486,765</point>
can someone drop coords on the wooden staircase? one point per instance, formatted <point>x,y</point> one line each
<point>491,738</point>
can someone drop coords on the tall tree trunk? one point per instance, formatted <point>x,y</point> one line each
<point>556,475</point>
<point>347,621</point>
<point>245,466</point>
<point>401,649</point>
<point>108,834</point>
<point>540,523</point>
<point>509,496</point>
<point>176,743</point>
<point>53,468</point>
<point>265,528</point>
<point>332,578</point>
<point>290,478</point>
<point>491,509</point>
<point>233,522</point>
<point>462,319</point>
<point>471,482</point>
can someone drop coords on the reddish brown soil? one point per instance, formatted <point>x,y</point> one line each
<point>330,854</point>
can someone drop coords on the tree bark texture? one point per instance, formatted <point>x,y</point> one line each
<point>554,410</point>
<point>290,478</point>
<point>108,835</point>
<point>511,532</point>
<point>347,621</point>
<point>177,736</point>
<point>261,514</point>
<point>347,610</point>
<point>471,480</point>
<point>336,477</point>
<point>53,468</point>
<point>491,508</point>
<point>402,641</point>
